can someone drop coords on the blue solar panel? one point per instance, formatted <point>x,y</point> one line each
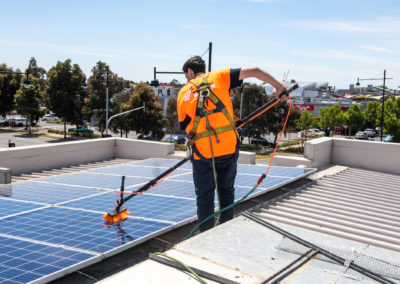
<point>48,193</point>
<point>22,261</point>
<point>143,205</point>
<point>163,163</point>
<point>251,180</point>
<point>94,180</point>
<point>67,216</point>
<point>173,188</point>
<point>137,170</point>
<point>10,207</point>
<point>72,228</point>
<point>273,171</point>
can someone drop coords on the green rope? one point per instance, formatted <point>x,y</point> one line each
<point>213,165</point>
<point>184,265</point>
<point>222,210</point>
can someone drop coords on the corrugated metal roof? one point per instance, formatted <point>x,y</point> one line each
<point>356,204</point>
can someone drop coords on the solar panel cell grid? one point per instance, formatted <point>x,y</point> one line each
<point>95,180</point>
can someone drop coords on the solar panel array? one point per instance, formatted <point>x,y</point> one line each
<point>54,225</point>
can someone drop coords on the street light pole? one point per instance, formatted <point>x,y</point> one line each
<point>107,102</point>
<point>383,102</point>
<point>383,95</point>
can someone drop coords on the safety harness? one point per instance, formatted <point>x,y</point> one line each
<point>205,95</point>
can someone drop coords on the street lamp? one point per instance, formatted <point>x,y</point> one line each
<point>27,84</point>
<point>383,95</point>
<point>127,88</point>
<point>125,112</point>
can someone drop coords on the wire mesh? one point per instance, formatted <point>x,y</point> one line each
<point>375,265</point>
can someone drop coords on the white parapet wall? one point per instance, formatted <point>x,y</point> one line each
<point>372,155</point>
<point>141,149</point>
<point>318,151</point>
<point>50,156</point>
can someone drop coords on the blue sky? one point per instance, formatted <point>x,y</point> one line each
<point>334,41</point>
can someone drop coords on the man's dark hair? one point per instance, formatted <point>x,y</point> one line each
<point>196,63</point>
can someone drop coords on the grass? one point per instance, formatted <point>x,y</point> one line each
<point>263,156</point>
<point>86,135</point>
<point>296,150</point>
<point>290,143</point>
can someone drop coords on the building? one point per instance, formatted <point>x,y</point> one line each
<point>164,93</point>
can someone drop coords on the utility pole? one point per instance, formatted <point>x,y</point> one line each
<point>383,95</point>
<point>107,102</point>
<point>383,102</point>
<point>209,56</point>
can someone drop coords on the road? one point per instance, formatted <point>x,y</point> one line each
<point>22,139</point>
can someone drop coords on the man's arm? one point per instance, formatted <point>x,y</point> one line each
<point>255,72</point>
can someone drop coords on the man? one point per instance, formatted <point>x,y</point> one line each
<point>205,111</point>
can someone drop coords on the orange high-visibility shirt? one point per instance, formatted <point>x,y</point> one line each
<point>220,84</point>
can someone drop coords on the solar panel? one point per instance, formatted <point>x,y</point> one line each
<point>11,207</point>
<point>53,223</point>
<point>48,193</point>
<point>95,180</point>
<point>22,261</point>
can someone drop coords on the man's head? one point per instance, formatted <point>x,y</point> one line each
<point>194,66</point>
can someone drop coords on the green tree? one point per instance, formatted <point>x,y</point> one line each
<point>175,83</point>
<point>354,118</point>
<point>120,123</point>
<point>152,121</point>
<point>276,117</point>
<point>392,118</point>
<point>28,102</point>
<point>9,85</point>
<point>253,98</point>
<point>37,72</point>
<point>331,117</point>
<point>172,115</point>
<point>305,122</point>
<point>65,95</point>
<point>371,113</point>
<point>101,77</point>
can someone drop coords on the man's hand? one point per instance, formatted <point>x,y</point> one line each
<point>279,90</point>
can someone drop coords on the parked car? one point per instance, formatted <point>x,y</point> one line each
<point>263,140</point>
<point>361,135</point>
<point>388,138</point>
<point>18,122</point>
<point>178,138</point>
<point>370,132</point>
<point>5,121</point>
<point>81,130</point>
<point>50,117</point>
<point>315,132</point>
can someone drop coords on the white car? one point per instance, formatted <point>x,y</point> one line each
<point>18,122</point>
<point>50,117</point>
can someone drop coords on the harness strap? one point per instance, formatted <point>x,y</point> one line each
<point>210,132</point>
<point>205,93</point>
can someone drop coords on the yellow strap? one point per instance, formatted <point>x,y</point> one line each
<point>210,133</point>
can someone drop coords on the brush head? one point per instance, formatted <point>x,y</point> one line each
<point>116,216</point>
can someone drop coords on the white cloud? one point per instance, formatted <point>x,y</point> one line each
<point>89,51</point>
<point>381,25</point>
<point>378,49</point>
<point>349,56</point>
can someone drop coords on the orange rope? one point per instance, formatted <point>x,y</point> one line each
<point>259,114</point>
<point>280,136</point>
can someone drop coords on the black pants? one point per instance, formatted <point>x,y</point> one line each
<point>226,168</point>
